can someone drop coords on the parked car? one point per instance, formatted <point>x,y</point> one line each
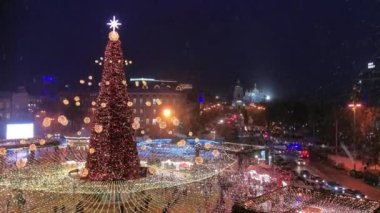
<point>356,174</point>
<point>301,162</point>
<point>334,187</point>
<point>355,193</point>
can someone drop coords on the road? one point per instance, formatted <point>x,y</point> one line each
<point>329,173</point>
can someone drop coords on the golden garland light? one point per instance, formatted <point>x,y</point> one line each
<point>181,143</point>
<point>148,103</point>
<point>62,119</point>
<point>83,172</point>
<point>136,120</point>
<point>190,134</point>
<point>93,103</point>
<point>103,105</point>
<point>46,122</point>
<point>98,128</point>
<point>107,83</point>
<point>142,132</point>
<point>79,133</point>
<point>32,147</point>
<point>82,81</point>
<point>158,101</point>
<point>196,140</point>
<point>124,82</point>
<point>42,142</point>
<point>65,102</point>
<point>77,103</point>
<point>3,152</point>
<point>170,132</point>
<point>148,141</point>
<point>152,170</point>
<point>136,126</point>
<point>198,160</point>
<point>49,135</point>
<point>130,103</point>
<point>143,147</point>
<point>22,142</point>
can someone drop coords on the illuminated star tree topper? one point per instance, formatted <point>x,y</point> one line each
<point>114,24</point>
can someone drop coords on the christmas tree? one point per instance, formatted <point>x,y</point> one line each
<point>112,150</point>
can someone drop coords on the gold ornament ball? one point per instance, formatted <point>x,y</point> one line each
<point>76,98</point>
<point>152,170</point>
<point>98,128</point>
<point>21,163</point>
<point>136,126</point>
<point>83,172</point>
<point>207,146</point>
<point>113,36</point>
<point>92,150</point>
<point>163,125</point>
<point>158,101</point>
<point>86,120</point>
<point>215,153</point>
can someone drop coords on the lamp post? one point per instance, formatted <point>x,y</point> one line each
<point>353,106</point>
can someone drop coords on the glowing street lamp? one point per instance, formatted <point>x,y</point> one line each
<point>353,106</point>
<point>167,113</point>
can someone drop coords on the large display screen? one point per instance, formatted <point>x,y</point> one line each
<point>20,131</point>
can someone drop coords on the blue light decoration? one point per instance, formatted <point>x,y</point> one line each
<point>48,79</point>
<point>201,98</point>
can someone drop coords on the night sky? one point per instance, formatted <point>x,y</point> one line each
<point>288,47</point>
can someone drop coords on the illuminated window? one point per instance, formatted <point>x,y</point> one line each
<point>154,111</point>
<point>147,121</point>
<point>141,111</point>
<point>134,100</point>
<point>134,111</point>
<point>154,101</point>
<point>141,101</point>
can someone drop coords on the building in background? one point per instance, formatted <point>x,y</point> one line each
<point>238,95</point>
<point>255,96</point>
<point>250,96</point>
<point>368,84</point>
